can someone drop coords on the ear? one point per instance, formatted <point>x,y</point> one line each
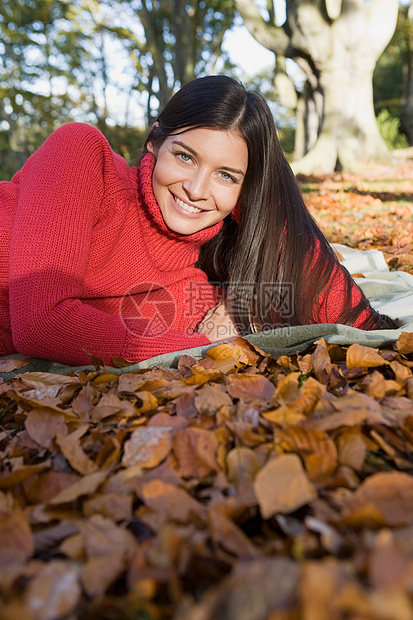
<point>149,145</point>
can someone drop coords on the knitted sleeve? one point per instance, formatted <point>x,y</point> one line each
<point>333,300</point>
<point>60,191</point>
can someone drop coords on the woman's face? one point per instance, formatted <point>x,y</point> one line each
<point>198,176</point>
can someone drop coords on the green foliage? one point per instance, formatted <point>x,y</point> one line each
<point>388,76</point>
<point>89,60</point>
<point>389,129</point>
<point>183,40</point>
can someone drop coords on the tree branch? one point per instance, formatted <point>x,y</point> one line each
<point>272,37</point>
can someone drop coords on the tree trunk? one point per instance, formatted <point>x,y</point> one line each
<point>406,124</point>
<point>344,56</point>
<point>337,43</point>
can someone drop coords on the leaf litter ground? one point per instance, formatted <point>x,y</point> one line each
<point>237,487</point>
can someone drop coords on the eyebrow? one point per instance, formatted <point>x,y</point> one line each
<point>188,148</point>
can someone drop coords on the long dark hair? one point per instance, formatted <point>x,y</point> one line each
<point>274,262</point>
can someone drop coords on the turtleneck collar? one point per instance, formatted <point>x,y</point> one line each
<point>184,248</point>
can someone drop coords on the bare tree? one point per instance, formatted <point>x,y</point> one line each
<point>337,44</point>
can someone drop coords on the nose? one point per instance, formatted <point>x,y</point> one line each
<point>196,185</point>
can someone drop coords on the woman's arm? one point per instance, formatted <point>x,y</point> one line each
<point>61,189</point>
<point>343,296</point>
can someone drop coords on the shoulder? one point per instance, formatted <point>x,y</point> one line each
<point>77,136</point>
<point>79,145</point>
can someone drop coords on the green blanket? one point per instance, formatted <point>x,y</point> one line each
<point>390,293</point>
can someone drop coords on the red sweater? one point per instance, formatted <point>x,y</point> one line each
<point>87,265</point>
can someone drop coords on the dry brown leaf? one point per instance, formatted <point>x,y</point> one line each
<point>230,354</point>
<point>44,426</point>
<point>242,465</point>
<point>210,398</point>
<point>113,505</point>
<point>352,448</point>
<point>389,563</point>
<point>103,537</point>
<point>99,572</point>
<point>170,501</point>
<point>21,472</point>
<point>359,356</point>
<point>352,409</point>
<point>250,387</point>
<point>287,389</point>
<point>110,405</point>
<point>73,452</point>
<point>404,343</point>
<point>282,486</point>
<point>8,365</point>
<point>315,447</point>
<point>147,447</point>
<point>284,416</point>
<point>55,591</point>
<point>229,536</point>
<point>16,540</point>
<point>390,494</point>
<point>321,361</point>
<point>320,582</point>
<point>85,486</point>
<point>195,450</point>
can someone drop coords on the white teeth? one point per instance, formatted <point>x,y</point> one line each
<point>187,207</point>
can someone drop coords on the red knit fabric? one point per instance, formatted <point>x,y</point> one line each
<point>82,242</point>
<point>87,265</point>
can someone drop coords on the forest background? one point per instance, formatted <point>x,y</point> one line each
<point>99,62</point>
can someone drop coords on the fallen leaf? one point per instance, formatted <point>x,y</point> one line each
<point>404,343</point>
<point>8,365</point>
<point>147,447</point>
<point>85,486</point>
<point>359,356</point>
<point>195,450</point>
<point>282,486</point>
<point>170,501</point>
<point>250,387</point>
<point>44,426</point>
<point>16,540</point>
<point>99,572</point>
<point>390,494</point>
<point>55,591</point>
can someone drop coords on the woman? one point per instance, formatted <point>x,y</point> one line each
<point>99,258</point>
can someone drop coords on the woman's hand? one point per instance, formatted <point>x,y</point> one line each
<point>217,325</point>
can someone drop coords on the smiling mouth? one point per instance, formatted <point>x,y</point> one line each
<point>185,206</point>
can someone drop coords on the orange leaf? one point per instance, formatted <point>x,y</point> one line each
<point>210,398</point>
<point>16,540</point>
<point>8,365</point>
<point>282,486</point>
<point>314,446</point>
<point>404,343</point>
<point>43,426</point>
<point>250,387</point>
<point>55,591</point>
<point>170,501</point>
<point>363,357</point>
<point>85,486</point>
<point>195,449</point>
<point>147,447</point>
<point>73,452</point>
<point>390,494</point>
<point>99,572</point>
